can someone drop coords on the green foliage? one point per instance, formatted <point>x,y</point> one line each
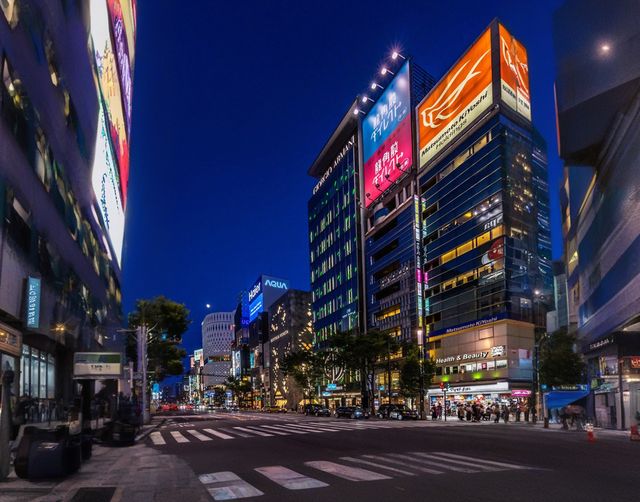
<point>239,387</point>
<point>559,363</point>
<point>306,368</point>
<point>410,372</point>
<point>161,316</point>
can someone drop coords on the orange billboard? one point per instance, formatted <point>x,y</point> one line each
<point>514,74</point>
<point>463,95</point>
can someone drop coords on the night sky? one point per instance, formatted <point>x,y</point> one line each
<point>232,101</point>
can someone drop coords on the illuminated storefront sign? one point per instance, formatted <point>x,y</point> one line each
<point>109,84</point>
<point>255,290</point>
<point>514,74</point>
<point>463,95</point>
<point>104,179</point>
<point>474,389</point>
<point>97,365</point>
<point>275,284</point>
<point>386,132</point>
<point>33,302</point>
<point>122,57</point>
<point>9,342</point>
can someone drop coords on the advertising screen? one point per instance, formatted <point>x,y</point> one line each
<point>110,89</point>
<point>122,57</point>
<point>463,95</point>
<point>514,74</point>
<point>104,179</point>
<point>386,134</point>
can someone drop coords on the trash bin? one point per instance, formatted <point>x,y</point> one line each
<point>43,453</point>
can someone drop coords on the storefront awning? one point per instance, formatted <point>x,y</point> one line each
<point>562,398</point>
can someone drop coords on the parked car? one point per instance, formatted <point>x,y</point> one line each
<point>316,409</point>
<point>402,412</point>
<point>351,412</point>
<point>274,409</point>
<point>384,409</point>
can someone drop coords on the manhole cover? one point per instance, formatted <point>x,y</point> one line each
<point>94,494</point>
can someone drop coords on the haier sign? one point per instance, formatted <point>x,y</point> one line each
<point>264,293</point>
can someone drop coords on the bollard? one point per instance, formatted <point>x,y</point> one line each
<point>5,423</point>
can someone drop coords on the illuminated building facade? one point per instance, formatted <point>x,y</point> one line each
<point>218,333</point>
<point>334,230</point>
<point>598,98</point>
<point>65,101</point>
<point>486,240</point>
<point>290,330</point>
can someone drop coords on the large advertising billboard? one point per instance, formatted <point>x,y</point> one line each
<point>122,57</point>
<point>109,84</point>
<point>514,74</point>
<point>104,179</point>
<point>463,95</point>
<point>386,135</point>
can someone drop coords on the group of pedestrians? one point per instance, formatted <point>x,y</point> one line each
<point>479,412</point>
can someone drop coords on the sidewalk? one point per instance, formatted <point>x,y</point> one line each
<point>117,474</point>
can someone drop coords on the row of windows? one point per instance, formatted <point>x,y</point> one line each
<point>388,312</point>
<point>472,244</point>
<point>472,367</point>
<point>467,277</point>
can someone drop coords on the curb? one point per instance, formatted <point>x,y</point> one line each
<point>148,431</point>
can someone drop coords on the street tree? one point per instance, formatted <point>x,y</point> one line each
<point>167,321</point>
<point>306,368</point>
<point>240,388</point>
<point>560,364</point>
<point>413,377</point>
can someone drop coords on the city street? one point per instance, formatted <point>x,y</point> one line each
<point>290,457</point>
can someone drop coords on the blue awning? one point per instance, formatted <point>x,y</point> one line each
<point>562,398</point>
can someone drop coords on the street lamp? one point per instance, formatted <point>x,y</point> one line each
<point>385,70</point>
<point>375,85</point>
<point>367,98</point>
<point>395,55</point>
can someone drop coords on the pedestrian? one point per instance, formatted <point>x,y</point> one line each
<point>525,409</point>
<point>439,411</point>
<point>518,412</point>
<point>496,413</point>
<point>434,412</point>
<point>460,412</point>
<point>505,413</point>
<point>468,410</point>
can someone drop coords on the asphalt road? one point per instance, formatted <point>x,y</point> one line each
<point>292,457</point>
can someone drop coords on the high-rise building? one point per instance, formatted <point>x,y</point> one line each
<point>334,233</point>
<point>218,333</point>
<point>290,330</point>
<point>598,110</point>
<point>486,242</point>
<point>65,101</point>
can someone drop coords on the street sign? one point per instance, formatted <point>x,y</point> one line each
<point>97,365</point>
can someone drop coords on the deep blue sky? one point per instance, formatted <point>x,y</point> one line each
<point>233,100</point>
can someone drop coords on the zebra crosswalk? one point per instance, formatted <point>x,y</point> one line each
<point>188,433</point>
<point>317,474</point>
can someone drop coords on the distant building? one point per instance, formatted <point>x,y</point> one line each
<point>218,333</point>
<point>290,330</point>
<point>598,108</point>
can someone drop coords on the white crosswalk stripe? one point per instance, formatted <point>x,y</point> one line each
<point>156,437</point>
<point>236,433</point>
<point>198,435</point>
<point>291,480</point>
<point>345,471</point>
<point>221,435</point>
<point>451,457</point>
<point>394,461</point>
<point>245,429</point>
<point>377,465</point>
<point>179,437</point>
<point>426,459</point>
<point>258,428</point>
<point>284,427</point>
<point>228,486</point>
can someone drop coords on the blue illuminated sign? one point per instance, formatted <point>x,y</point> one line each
<point>33,302</point>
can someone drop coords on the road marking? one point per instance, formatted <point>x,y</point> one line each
<point>238,433</point>
<point>346,472</point>
<point>198,435</point>
<point>258,428</point>
<point>471,462</point>
<point>156,437</point>
<point>490,462</point>
<point>284,428</point>
<point>425,458</point>
<point>381,458</point>
<point>218,434</point>
<point>317,428</point>
<point>179,437</point>
<point>291,480</point>
<point>254,432</point>
<point>373,464</point>
<point>235,487</point>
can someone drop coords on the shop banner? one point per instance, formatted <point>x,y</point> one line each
<point>33,302</point>
<point>97,365</point>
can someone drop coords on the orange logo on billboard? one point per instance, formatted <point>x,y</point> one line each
<point>514,74</point>
<point>460,97</point>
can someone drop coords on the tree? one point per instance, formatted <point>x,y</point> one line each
<point>559,362</point>
<point>364,353</point>
<point>306,368</point>
<point>411,374</point>
<point>167,321</point>
<point>239,387</point>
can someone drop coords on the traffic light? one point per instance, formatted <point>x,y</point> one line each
<point>441,385</point>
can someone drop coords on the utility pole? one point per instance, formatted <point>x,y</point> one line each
<point>141,334</point>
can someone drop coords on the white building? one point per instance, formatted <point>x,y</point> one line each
<point>218,332</point>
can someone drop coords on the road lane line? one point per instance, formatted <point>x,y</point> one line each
<point>156,437</point>
<point>317,428</point>
<point>237,433</point>
<point>468,462</point>
<point>179,437</point>
<point>228,486</point>
<point>382,458</point>
<point>489,462</point>
<point>218,434</point>
<point>254,432</point>
<point>345,471</point>
<point>198,435</point>
<point>379,466</point>
<point>291,480</point>
<point>284,428</point>
<point>425,458</point>
<point>260,427</point>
